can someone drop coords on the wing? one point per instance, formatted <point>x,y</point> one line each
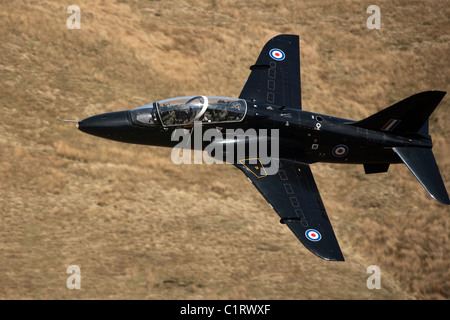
<point>293,194</point>
<point>275,77</point>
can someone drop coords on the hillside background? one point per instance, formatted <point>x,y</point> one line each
<point>140,227</point>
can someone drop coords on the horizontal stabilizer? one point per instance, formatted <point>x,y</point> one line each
<point>422,164</point>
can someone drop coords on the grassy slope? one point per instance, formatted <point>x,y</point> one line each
<point>139,226</point>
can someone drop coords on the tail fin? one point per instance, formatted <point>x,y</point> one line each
<point>422,164</point>
<point>409,116</point>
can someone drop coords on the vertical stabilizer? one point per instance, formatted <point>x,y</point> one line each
<point>405,117</point>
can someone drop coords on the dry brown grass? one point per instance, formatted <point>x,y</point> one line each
<point>139,226</point>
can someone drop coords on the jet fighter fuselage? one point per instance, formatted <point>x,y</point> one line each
<point>303,136</point>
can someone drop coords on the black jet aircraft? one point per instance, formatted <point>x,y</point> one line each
<point>271,99</point>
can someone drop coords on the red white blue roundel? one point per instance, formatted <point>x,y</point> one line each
<point>340,150</point>
<point>313,235</point>
<point>277,54</point>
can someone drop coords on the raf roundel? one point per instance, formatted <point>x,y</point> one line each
<point>277,54</point>
<point>313,235</point>
<point>340,150</point>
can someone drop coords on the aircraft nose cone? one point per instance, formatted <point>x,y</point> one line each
<point>106,125</point>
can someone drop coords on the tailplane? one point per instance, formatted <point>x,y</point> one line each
<point>422,164</point>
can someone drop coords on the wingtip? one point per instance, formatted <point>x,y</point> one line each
<point>332,256</point>
<point>443,199</point>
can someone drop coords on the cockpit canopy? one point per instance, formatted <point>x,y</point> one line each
<point>185,110</point>
<point>144,115</point>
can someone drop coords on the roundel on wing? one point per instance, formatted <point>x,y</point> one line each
<point>277,54</point>
<point>313,235</point>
